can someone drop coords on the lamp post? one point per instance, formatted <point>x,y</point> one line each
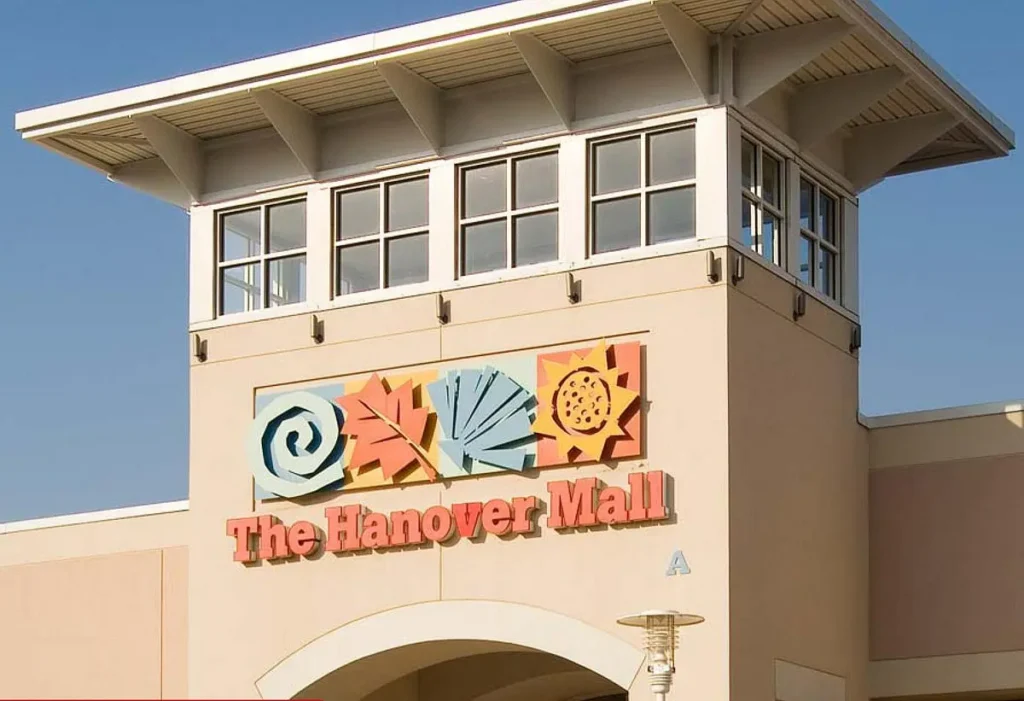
<point>661,632</point>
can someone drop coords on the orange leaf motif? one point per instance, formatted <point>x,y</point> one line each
<point>387,428</point>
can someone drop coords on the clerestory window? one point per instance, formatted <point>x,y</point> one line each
<point>261,258</point>
<point>381,235</point>
<point>508,213</point>
<point>762,221</point>
<point>642,189</point>
<point>819,238</point>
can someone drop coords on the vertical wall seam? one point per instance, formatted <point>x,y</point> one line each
<point>163,622</point>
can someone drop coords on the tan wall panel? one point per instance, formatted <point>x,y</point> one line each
<point>82,628</point>
<point>798,497</point>
<point>174,632</point>
<point>946,571</point>
<point>953,439</point>
<point>231,606</point>
<point>96,538</point>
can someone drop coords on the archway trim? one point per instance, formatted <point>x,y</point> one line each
<point>494,621</point>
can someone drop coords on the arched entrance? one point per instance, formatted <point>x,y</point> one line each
<point>458,651</point>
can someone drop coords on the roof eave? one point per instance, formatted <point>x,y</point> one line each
<point>999,135</point>
<point>282,64</point>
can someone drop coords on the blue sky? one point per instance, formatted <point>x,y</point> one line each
<point>93,358</point>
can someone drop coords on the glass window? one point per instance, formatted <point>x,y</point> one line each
<point>261,258</point>
<point>762,222</point>
<point>819,236</point>
<point>381,237</point>
<point>509,213</point>
<point>643,190</point>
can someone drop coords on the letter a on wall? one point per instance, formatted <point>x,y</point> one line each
<point>677,565</point>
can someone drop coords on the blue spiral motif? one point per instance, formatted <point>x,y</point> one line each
<point>294,445</point>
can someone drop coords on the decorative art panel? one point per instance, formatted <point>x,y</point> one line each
<point>509,414</point>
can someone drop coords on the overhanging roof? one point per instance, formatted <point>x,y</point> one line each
<point>109,131</point>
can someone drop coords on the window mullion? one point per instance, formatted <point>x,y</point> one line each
<point>509,205</point>
<point>643,189</point>
<point>381,228</point>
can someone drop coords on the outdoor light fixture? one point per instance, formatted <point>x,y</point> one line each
<point>712,267</point>
<point>739,268</point>
<point>199,348</point>
<point>661,630</point>
<point>441,309</point>
<point>799,304</point>
<point>572,291</point>
<point>316,329</point>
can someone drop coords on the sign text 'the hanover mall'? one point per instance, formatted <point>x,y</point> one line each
<point>572,504</point>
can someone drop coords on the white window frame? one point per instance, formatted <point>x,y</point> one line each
<point>754,199</point>
<point>818,242</point>
<point>643,191</point>
<point>381,237</point>
<point>263,259</point>
<point>510,214</point>
<point>574,221</point>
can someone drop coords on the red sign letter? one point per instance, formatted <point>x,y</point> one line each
<point>572,507</point>
<point>242,530</point>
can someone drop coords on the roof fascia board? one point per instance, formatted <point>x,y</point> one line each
<point>923,67</point>
<point>468,25</point>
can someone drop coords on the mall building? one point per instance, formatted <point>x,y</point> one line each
<point>508,326</point>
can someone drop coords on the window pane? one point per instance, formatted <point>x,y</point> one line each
<point>827,217</point>
<point>806,205</point>
<point>287,226</point>
<point>287,280</point>
<point>484,190</point>
<point>770,236</point>
<point>827,279</point>
<point>806,256</point>
<point>240,289</point>
<point>670,156</point>
<point>536,180</point>
<point>359,213</point>
<point>240,235</point>
<point>536,238</point>
<point>748,154</point>
<point>617,166</point>
<point>358,268</point>
<point>670,215</point>
<point>407,204</point>
<point>406,260</point>
<point>616,224</point>
<point>483,247</point>
<point>771,185</point>
<point>746,225</point>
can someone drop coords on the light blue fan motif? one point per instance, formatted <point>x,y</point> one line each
<point>484,415</point>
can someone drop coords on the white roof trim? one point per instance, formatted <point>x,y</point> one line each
<point>946,414</point>
<point>283,63</point>
<point>414,37</point>
<point>93,517</point>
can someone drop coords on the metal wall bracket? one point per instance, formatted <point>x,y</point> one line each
<point>316,329</point>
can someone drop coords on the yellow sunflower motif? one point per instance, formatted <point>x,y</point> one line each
<point>582,405</point>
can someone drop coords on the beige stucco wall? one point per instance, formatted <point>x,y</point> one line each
<point>946,570</point>
<point>244,620</point>
<point>95,610</point>
<point>797,492</point>
<point>751,413</point>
